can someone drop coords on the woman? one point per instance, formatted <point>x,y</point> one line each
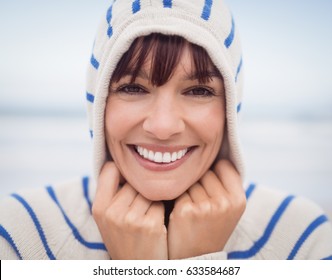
<point>175,96</point>
<point>164,92</point>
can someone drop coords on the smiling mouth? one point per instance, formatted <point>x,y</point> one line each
<point>161,157</point>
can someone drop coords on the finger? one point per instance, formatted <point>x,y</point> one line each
<point>182,199</point>
<point>228,176</point>
<point>183,204</point>
<point>212,185</point>
<point>108,183</point>
<point>156,212</point>
<point>124,197</point>
<point>140,206</point>
<point>197,193</point>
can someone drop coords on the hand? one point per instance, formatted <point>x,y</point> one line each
<point>131,226</point>
<point>205,216</point>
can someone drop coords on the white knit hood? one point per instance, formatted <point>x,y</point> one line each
<point>206,23</point>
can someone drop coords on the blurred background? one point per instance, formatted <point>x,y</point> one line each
<point>286,122</point>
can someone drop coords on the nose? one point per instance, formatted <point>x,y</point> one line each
<point>165,117</point>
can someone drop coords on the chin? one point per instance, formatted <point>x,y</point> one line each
<point>160,193</point>
<point>160,197</point>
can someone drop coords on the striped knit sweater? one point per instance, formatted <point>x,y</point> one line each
<point>56,223</point>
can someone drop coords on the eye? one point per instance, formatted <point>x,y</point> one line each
<point>200,92</point>
<point>131,89</point>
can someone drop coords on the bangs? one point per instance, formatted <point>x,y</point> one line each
<point>164,53</point>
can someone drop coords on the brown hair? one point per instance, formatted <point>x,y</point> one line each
<point>166,51</point>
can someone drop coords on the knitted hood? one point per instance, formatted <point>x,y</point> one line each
<point>206,23</point>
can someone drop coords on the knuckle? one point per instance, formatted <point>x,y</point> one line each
<point>152,227</point>
<point>96,211</point>
<point>209,174</point>
<point>237,204</point>
<point>242,203</point>
<point>225,205</point>
<point>112,219</point>
<point>158,206</point>
<point>186,210</point>
<point>239,199</point>
<point>110,166</point>
<point>243,199</point>
<point>206,177</point>
<point>194,187</point>
<point>105,216</point>
<point>131,222</point>
<point>205,207</point>
<point>135,224</point>
<point>225,163</point>
<point>219,164</point>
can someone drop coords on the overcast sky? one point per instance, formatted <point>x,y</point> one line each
<point>46,45</point>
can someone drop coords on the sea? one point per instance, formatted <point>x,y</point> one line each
<point>290,155</point>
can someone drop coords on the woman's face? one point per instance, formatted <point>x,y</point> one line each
<point>163,139</point>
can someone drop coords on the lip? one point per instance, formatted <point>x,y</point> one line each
<point>163,148</point>
<point>153,166</point>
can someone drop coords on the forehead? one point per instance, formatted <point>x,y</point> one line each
<point>181,59</point>
<point>185,68</point>
<point>160,56</point>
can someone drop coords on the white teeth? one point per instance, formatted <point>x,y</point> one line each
<point>160,157</point>
<point>174,156</point>
<point>151,155</point>
<point>145,153</point>
<point>167,157</point>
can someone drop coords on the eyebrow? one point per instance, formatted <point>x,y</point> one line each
<point>190,76</point>
<point>196,75</point>
<point>141,74</point>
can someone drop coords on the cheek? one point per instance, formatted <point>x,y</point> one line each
<point>210,122</point>
<point>117,121</point>
<point>116,129</point>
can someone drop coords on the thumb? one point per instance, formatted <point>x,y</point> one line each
<point>108,183</point>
